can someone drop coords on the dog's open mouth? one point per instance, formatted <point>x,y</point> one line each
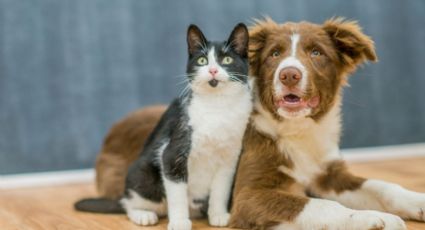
<point>295,102</point>
<point>291,98</point>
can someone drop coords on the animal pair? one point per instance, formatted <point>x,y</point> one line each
<point>290,173</point>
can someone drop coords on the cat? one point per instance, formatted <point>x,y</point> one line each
<point>187,166</point>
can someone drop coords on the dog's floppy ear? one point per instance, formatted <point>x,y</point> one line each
<point>353,46</point>
<point>257,40</point>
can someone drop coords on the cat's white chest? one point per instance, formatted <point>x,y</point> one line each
<point>218,126</point>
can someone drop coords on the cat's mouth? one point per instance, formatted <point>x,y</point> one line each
<point>213,83</point>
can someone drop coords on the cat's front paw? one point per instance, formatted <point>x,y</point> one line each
<point>142,217</point>
<point>180,224</point>
<point>219,220</point>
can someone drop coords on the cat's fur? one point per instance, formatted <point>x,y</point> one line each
<point>188,163</point>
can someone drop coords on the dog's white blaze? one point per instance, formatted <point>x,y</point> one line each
<point>291,61</point>
<point>295,38</point>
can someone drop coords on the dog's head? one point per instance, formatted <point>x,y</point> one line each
<point>299,68</point>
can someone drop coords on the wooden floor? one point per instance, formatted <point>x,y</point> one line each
<point>51,207</point>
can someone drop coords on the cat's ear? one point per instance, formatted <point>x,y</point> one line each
<point>195,39</point>
<point>238,40</point>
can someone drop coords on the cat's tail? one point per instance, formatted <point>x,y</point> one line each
<point>99,205</point>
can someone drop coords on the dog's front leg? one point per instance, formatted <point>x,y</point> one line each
<point>264,208</point>
<point>340,185</point>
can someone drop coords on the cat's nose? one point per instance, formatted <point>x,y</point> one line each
<point>213,71</point>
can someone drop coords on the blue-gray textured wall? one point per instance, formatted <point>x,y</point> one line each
<point>70,68</point>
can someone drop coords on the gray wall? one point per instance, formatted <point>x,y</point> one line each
<point>70,68</point>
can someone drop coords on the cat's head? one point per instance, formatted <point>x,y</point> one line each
<point>218,67</point>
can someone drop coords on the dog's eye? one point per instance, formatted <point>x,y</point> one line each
<point>202,61</point>
<point>276,53</point>
<point>315,53</point>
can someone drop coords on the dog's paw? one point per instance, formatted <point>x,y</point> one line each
<point>408,205</point>
<point>180,224</point>
<point>143,217</point>
<point>219,220</point>
<point>397,200</point>
<point>373,220</point>
<point>412,206</point>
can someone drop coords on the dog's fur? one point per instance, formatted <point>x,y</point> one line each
<point>121,147</point>
<point>291,169</point>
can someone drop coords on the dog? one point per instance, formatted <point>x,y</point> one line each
<point>291,175</point>
<point>121,147</point>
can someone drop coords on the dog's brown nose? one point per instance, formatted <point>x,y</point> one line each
<point>290,76</point>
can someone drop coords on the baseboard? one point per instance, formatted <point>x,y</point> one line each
<point>47,179</point>
<point>380,153</point>
<point>87,175</point>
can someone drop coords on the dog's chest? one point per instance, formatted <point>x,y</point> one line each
<point>309,146</point>
<point>307,143</point>
<point>217,131</point>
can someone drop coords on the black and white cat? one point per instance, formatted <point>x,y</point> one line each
<point>189,161</point>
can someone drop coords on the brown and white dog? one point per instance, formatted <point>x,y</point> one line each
<point>291,175</point>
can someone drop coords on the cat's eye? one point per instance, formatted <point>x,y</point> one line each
<point>202,61</point>
<point>315,53</point>
<point>227,60</point>
<point>276,53</point>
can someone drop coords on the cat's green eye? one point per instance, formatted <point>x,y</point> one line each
<point>202,61</point>
<point>227,60</point>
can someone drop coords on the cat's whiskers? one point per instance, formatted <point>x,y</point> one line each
<point>235,79</point>
<point>185,75</point>
<point>185,81</point>
<point>239,75</point>
<point>184,78</point>
<point>234,74</point>
<point>185,91</point>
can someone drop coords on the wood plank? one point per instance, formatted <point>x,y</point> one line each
<point>48,208</point>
